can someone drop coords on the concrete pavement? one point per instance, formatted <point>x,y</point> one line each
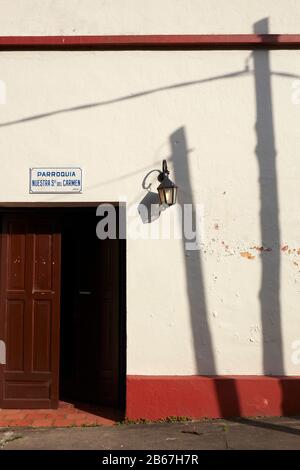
<point>252,433</point>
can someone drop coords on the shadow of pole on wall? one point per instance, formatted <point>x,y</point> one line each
<point>269,212</point>
<point>273,358</point>
<point>225,389</point>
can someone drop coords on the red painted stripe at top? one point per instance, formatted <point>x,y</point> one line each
<point>228,41</point>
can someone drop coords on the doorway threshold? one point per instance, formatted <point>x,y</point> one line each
<point>66,415</point>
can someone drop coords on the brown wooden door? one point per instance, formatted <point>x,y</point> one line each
<point>29,311</point>
<point>89,315</point>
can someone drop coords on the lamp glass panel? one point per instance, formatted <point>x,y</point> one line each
<point>169,196</point>
<point>161,195</point>
<point>174,194</point>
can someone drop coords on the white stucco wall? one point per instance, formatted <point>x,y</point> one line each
<point>188,312</point>
<point>20,17</point>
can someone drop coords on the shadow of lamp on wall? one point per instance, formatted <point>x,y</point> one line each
<point>154,203</point>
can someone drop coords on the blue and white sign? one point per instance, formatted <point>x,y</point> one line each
<point>55,180</point>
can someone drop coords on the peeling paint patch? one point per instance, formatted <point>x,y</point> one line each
<point>247,255</point>
<point>261,248</point>
<point>285,248</point>
<point>226,246</point>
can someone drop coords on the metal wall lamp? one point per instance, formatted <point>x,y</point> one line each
<point>167,190</point>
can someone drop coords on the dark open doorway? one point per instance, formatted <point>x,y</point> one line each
<point>92,314</point>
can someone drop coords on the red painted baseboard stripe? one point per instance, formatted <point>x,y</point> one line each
<point>155,397</point>
<point>210,41</point>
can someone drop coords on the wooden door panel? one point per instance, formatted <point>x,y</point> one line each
<point>42,261</point>
<point>22,392</point>
<point>41,352</point>
<point>15,249</point>
<point>29,320</point>
<point>15,312</point>
<point>109,327</point>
